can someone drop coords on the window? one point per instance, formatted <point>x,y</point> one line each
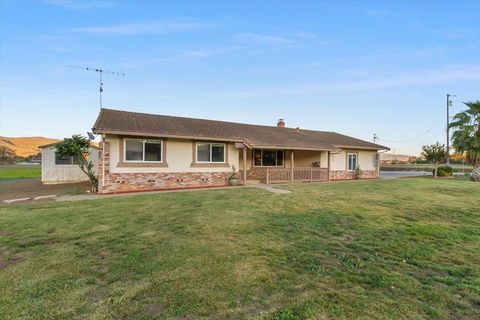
<point>211,152</point>
<point>143,150</point>
<point>268,158</point>
<point>352,161</point>
<point>65,160</point>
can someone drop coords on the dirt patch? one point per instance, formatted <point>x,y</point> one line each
<point>29,188</point>
<point>153,310</point>
<point>17,258</point>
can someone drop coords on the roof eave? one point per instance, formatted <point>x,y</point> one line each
<point>364,148</point>
<point>146,134</point>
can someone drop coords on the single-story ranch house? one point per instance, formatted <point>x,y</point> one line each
<point>141,152</point>
<point>64,169</point>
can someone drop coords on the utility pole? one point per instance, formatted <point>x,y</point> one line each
<point>375,138</point>
<point>449,104</point>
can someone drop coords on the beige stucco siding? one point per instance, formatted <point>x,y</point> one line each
<point>338,160</point>
<point>305,158</point>
<point>55,173</point>
<point>178,157</point>
<point>366,159</point>
<point>324,159</point>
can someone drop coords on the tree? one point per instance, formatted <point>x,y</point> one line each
<point>466,135</point>
<point>435,153</point>
<point>7,155</point>
<point>78,147</point>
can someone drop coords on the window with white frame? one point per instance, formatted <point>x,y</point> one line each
<point>210,152</point>
<point>268,158</point>
<point>137,150</point>
<point>352,161</point>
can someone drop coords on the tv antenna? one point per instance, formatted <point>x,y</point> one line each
<point>100,72</point>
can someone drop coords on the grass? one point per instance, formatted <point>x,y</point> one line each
<point>385,249</point>
<point>425,167</point>
<point>12,172</point>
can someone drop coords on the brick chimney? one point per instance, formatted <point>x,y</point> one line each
<point>281,123</point>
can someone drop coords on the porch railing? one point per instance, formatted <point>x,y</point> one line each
<point>284,175</point>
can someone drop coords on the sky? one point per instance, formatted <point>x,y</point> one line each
<point>359,68</point>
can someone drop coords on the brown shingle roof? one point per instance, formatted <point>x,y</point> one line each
<point>143,124</point>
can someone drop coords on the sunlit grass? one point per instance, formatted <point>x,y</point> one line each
<point>11,172</point>
<point>369,249</point>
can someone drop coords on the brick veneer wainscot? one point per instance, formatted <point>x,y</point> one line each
<point>130,182</point>
<point>350,175</point>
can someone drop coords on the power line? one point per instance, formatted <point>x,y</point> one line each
<point>429,130</point>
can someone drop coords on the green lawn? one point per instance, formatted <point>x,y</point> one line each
<point>11,172</point>
<point>385,249</point>
<point>425,167</point>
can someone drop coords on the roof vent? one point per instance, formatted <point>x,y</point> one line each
<point>281,123</point>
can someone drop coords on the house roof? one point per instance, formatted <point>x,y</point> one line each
<point>92,145</point>
<point>142,124</point>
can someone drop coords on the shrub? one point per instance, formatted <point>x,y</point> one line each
<point>358,173</point>
<point>444,171</point>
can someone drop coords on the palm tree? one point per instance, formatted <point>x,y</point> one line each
<point>466,135</point>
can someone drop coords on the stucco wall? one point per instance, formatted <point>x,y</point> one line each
<point>365,160</point>
<point>305,158</point>
<point>338,161</point>
<point>59,173</point>
<point>324,159</point>
<point>178,157</point>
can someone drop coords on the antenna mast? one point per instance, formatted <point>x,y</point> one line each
<point>100,72</point>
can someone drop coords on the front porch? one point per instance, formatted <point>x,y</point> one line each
<point>288,166</point>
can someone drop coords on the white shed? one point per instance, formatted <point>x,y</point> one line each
<point>58,169</point>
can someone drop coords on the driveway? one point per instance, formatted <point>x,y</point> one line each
<point>403,174</point>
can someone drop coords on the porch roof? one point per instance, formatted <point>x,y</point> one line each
<point>254,136</point>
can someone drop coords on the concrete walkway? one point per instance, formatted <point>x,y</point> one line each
<point>403,174</point>
<point>269,188</point>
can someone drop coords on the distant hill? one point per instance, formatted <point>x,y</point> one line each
<point>25,146</point>
<point>396,157</point>
<point>391,156</point>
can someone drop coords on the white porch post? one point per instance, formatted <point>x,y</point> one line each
<point>244,165</point>
<point>291,165</point>
<point>328,171</point>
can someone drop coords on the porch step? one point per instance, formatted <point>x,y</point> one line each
<point>249,181</point>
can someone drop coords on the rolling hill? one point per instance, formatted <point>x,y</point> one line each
<point>25,146</point>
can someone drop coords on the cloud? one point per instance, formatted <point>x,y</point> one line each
<point>255,38</point>
<point>378,13</point>
<point>181,57</point>
<point>79,5</point>
<point>144,27</point>
<point>451,73</point>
